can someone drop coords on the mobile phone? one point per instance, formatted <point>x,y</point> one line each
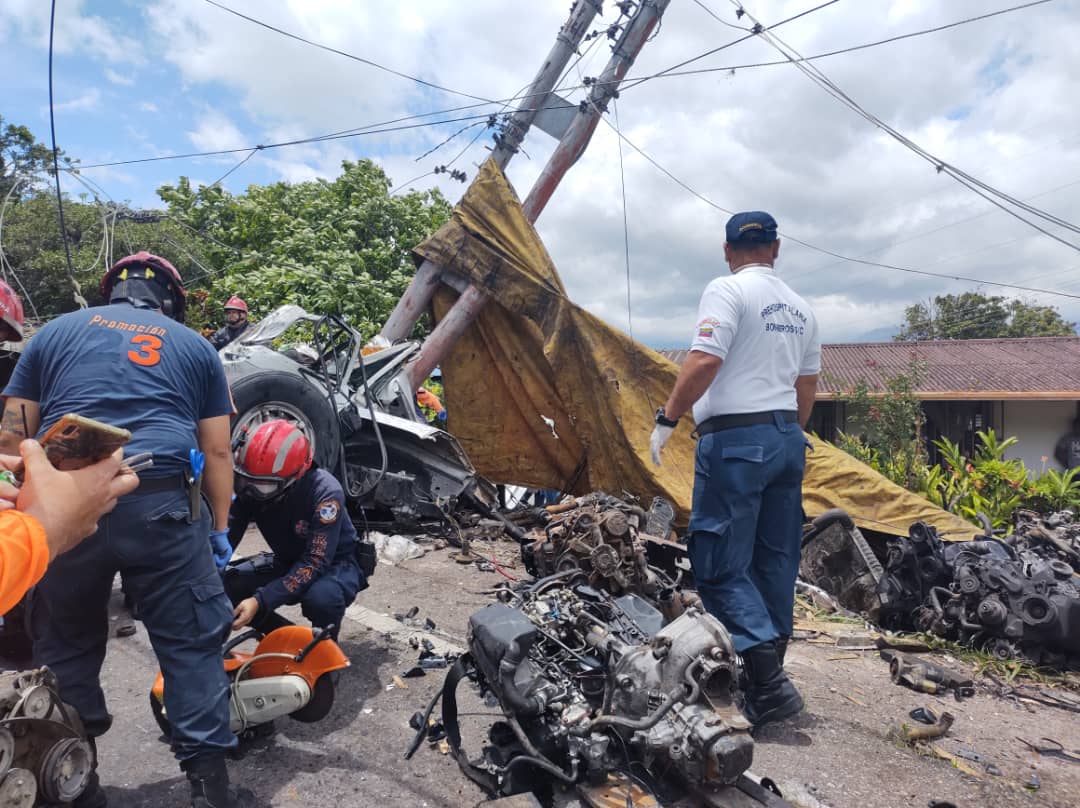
<point>75,441</point>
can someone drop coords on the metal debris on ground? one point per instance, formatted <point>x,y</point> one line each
<point>1015,596</point>
<point>591,682</point>
<point>45,756</point>
<point>928,732</point>
<point>926,677</point>
<point>604,537</point>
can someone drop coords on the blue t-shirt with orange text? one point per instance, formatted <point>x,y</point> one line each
<point>128,367</point>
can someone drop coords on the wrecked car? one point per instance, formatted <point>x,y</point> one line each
<point>312,371</point>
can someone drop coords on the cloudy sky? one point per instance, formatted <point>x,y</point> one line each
<point>996,98</point>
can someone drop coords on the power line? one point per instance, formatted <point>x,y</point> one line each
<point>296,142</point>
<point>717,17</point>
<point>56,167</point>
<point>700,56</point>
<point>347,55</point>
<point>626,224</point>
<point>249,155</point>
<point>849,49</point>
<point>986,191</point>
<point>682,184</point>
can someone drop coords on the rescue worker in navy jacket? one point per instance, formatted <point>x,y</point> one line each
<point>133,364</point>
<point>300,511</point>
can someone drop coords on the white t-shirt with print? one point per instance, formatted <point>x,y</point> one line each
<point>767,336</point>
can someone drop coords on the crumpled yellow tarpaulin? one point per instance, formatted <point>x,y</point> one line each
<point>541,393</point>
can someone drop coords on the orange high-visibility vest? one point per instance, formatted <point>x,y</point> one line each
<point>24,555</point>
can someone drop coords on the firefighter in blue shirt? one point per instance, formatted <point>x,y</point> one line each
<point>300,511</point>
<point>133,364</point>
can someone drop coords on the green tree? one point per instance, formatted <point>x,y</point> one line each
<point>885,429</point>
<point>341,245</point>
<point>973,315</point>
<point>97,234</point>
<point>21,156</point>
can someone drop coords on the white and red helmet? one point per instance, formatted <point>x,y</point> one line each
<point>235,303</point>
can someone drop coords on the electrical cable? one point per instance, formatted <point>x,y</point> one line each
<point>250,154</point>
<point>717,17</point>
<point>347,55</point>
<point>700,56</point>
<point>849,49</point>
<point>987,192</point>
<point>6,265</point>
<point>56,168</point>
<point>626,223</point>
<point>682,184</point>
<point>435,148</point>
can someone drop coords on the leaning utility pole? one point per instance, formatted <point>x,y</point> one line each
<point>574,136</point>
<point>426,280</point>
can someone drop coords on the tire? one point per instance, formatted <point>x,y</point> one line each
<point>260,397</point>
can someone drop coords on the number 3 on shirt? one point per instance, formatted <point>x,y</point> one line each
<point>146,352</point>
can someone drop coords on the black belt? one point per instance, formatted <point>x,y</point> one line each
<point>157,485</point>
<point>718,422</point>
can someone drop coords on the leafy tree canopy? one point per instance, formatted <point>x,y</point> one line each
<point>973,315</point>
<point>329,246</point>
<point>22,156</point>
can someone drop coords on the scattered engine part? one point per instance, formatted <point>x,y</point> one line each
<point>593,684</point>
<point>1056,535</point>
<point>925,677</point>
<point>936,729</point>
<point>838,563</point>
<point>984,593</point>
<point>45,756</point>
<point>603,536</point>
<point>1015,597</point>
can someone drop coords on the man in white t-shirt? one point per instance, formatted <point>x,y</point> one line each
<point>750,376</point>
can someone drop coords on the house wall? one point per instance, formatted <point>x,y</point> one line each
<point>1037,425</point>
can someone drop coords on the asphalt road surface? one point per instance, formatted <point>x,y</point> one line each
<point>840,753</point>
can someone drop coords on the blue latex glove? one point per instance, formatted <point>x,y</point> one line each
<point>441,415</point>
<point>219,542</point>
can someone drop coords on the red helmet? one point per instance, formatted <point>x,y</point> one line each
<point>271,459</point>
<point>11,313</point>
<point>236,304</point>
<point>146,266</point>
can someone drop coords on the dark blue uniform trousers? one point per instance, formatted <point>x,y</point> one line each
<point>168,569</point>
<point>323,602</point>
<point>746,527</point>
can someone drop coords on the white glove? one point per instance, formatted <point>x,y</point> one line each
<point>660,435</point>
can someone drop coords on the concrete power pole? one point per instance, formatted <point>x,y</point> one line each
<point>428,276</point>
<point>573,141</point>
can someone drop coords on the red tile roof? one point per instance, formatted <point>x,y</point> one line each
<point>988,369</point>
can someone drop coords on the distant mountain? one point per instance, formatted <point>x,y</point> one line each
<point>882,334</point>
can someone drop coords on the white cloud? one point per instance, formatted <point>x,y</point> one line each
<point>148,106</point>
<point>118,78</point>
<point>88,101</point>
<point>216,132</point>
<point>995,97</point>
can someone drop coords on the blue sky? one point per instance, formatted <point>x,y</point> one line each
<point>997,97</point>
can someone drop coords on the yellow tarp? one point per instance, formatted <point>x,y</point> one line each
<point>542,393</point>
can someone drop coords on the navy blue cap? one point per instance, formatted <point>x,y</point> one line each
<point>751,226</point>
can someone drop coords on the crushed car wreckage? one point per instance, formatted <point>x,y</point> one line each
<point>312,371</point>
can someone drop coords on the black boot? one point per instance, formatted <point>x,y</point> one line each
<point>781,648</point>
<point>210,784</point>
<point>770,695</point>
<point>93,796</point>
